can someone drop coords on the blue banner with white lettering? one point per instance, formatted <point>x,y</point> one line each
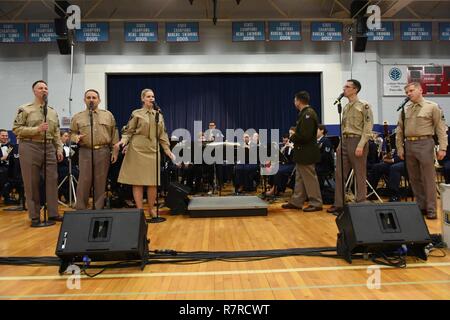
<point>416,31</point>
<point>444,31</point>
<point>285,31</point>
<point>326,31</point>
<point>141,31</point>
<point>93,32</point>
<point>248,31</point>
<point>385,33</point>
<point>41,32</point>
<point>12,32</point>
<point>182,32</point>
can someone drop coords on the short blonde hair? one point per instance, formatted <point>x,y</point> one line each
<point>144,92</point>
<point>414,83</point>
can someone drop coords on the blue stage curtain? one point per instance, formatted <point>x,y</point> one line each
<point>232,100</point>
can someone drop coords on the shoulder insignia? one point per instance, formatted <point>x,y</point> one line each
<point>307,116</point>
<point>327,149</point>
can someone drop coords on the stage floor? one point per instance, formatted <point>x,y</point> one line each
<point>281,278</point>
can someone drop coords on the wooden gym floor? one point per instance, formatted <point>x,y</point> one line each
<point>281,278</point>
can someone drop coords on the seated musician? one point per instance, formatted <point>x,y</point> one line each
<point>246,173</point>
<point>5,153</point>
<point>280,180</point>
<point>374,155</point>
<point>212,134</point>
<point>325,167</point>
<point>63,166</point>
<point>393,168</point>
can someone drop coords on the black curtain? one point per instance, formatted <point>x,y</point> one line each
<point>232,100</point>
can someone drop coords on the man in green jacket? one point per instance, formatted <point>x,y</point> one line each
<point>306,154</point>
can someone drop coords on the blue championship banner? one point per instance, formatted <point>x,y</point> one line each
<point>385,33</point>
<point>444,31</point>
<point>41,32</point>
<point>141,32</point>
<point>326,31</point>
<point>182,32</point>
<point>93,32</point>
<point>285,31</point>
<point>248,31</point>
<point>12,32</point>
<point>416,31</point>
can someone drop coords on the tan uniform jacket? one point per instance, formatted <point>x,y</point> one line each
<point>105,130</point>
<point>29,117</point>
<point>357,119</point>
<point>142,122</point>
<point>139,165</point>
<point>425,118</point>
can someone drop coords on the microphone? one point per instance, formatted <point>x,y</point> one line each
<point>156,106</point>
<point>91,105</point>
<point>339,98</point>
<point>403,103</point>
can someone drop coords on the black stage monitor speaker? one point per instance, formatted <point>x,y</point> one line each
<point>385,227</point>
<point>358,12</point>
<point>61,7</point>
<point>102,235</point>
<point>61,27</point>
<point>63,46</point>
<point>177,198</point>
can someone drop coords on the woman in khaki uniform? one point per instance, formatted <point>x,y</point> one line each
<point>139,165</point>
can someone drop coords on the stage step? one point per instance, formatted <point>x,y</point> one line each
<point>229,206</point>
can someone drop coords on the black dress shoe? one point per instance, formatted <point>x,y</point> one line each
<point>334,209</point>
<point>289,206</point>
<point>57,218</point>
<point>312,209</point>
<point>35,223</point>
<point>431,215</point>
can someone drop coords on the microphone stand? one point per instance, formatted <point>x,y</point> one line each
<point>46,222</point>
<point>70,177</point>
<point>156,219</point>
<point>91,118</point>
<point>339,105</point>
<point>402,108</point>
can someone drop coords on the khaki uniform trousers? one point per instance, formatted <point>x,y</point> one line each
<point>102,159</point>
<point>31,156</point>
<point>350,161</point>
<point>306,186</point>
<point>422,173</point>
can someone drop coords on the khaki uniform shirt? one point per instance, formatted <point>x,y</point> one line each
<point>357,118</point>
<point>424,118</point>
<point>142,122</point>
<point>105,131</point>
<point>29,117</point>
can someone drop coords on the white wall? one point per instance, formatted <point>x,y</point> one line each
<point>20,65</point>
<point>16,78</point>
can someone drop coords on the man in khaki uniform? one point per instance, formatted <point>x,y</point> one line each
<point>32,131</point>
<point>357,124</point>
<point>423,119</point>
<point>105,136</point>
